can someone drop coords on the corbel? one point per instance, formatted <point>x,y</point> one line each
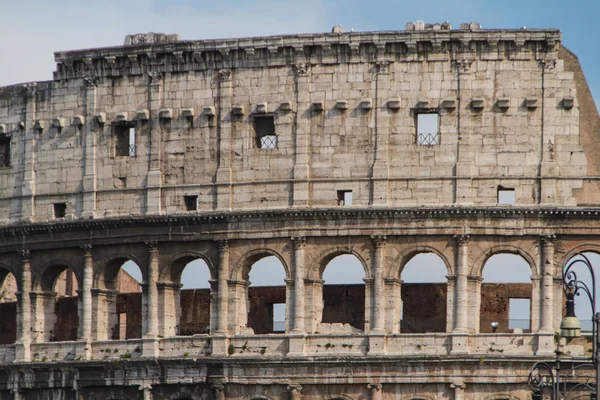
<point>165,113</point>
<point>261,108</point>
<point>121,117</point>
<point>38,125</point>
<point>366,104</point>
<point>477,104</point>
<point>209,111</point>
<point>187,112</point>
<point>341,104</point>
<point>448,104</point>
<point>317,106</point>
<point>531,103</point>
<point>393,104</point>
<point>237,110</point>
<point>142,115</point>
<point>503,104</point>
<point>178,56</point>
<point>112,61</point>
<point>568,103</point>
<point>285,106</point>
<point>77,120</point>
<point>100,118</point>
<point>58,123</point>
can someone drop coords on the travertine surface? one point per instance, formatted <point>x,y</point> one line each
<point>514,112</point>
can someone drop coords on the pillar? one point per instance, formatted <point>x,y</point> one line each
<point>301,195</point>
<point>219,391</point>
<point>546,295</point>
<point>381,126</point>
<point>379,243</point>
<point>222,287</point>
<point>462,298</point>
<point>146,392</point>
<point>459,390</point>
<point>224,175</point>
<point>88,126</point>
<point>151,329</point>
<point>24,333</point>
<point>86,294</point>
<point>375,390</point>
<point>299,252</point>
<point>295,391</point>
<point>30,135</point>
<point>154,180</point>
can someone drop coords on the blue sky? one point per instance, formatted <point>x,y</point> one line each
<point>33,29</point>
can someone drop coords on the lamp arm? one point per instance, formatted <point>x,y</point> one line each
<point>537,381</point>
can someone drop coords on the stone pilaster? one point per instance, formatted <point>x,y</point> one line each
<point>301,195</point>
<point>393,304</point>
<point>146,392</point>
<point>30,134</point>
<point>546,295</point>
<point>461,304</point>
<point>154,181</point>
<point>224,173</point>
<point>168,308</point>
<point>295,391</point>
<point>90,127</point>
<point>86,298</point>
<point>218,391</point>
<point>23,349</point>
<point>151,328</point>
<point>459,390</point>
<point>379,243</point>
<point>220,336</point>
<point>379,123</point>
<point>299,254</point>
<point>462,299</point>
<point>376,390</point>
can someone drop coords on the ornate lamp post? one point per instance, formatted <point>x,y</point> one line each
<point>545,377</point>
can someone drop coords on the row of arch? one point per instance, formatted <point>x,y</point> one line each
<point>59,286</point>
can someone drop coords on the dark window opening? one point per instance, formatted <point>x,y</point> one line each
<point>60,210</point>
<point>124,136</point>
<point>4,152</point>
<point>122,181</point>
<point>264,129</point>
<point>191,203</point>
<point>506,195</point>
<point>344,197</point>
<point>428,129</point>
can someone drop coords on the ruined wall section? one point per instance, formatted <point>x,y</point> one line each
<point>345,110</point>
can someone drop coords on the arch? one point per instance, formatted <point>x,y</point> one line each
<point>424,293</point>
<point>242,267</point>
<point>259,397</point>
<point>581,248</point>
<point>337,397</point>
<point>8,307</point>
<point>506,294</point>
<point>326,257</point>
<point>406,258</point>
<point>50,272</point>
<point>193,303</point>
<point>180,261</point>
<point>107,272</point>
<point>481,259</point>
<point>5,270</point>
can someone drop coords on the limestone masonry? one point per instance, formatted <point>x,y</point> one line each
<point>464,143</point>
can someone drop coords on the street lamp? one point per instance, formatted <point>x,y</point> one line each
<point>546,377</point>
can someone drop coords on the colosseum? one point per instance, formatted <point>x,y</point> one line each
<point>462,144</point>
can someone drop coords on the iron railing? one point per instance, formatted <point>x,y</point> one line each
<point>428,139</point>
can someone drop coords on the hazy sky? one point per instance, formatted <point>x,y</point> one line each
<point>33,29</point>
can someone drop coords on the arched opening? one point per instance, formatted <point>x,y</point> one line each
<point>344,294</point>
<point>266,296</point>
<point>122,278</point>
<point>8,307</point>
<point>56,305</point>
<point>424,294</point>
<point>583,307</point>
<point>194,310</point>
<point>505,295</point>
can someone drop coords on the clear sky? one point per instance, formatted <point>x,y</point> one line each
<point>32,30</point>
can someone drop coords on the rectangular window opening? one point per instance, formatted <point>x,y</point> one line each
<point>124,137</point>
<point>279,317</point>
<point>519,314</point>
<point>428,129</point>
<point>264,129</point>
<point>122,181</point>
<point>60,210</point>
<point>191,203</point>
<point>344,197</point>
<point>4,152</point>
<point>506,196</point>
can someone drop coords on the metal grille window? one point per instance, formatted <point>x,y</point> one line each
<point>124,137</point>
<point>427,129</point>
<point>264,129</point>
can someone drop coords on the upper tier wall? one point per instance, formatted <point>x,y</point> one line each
<point>345,110</point>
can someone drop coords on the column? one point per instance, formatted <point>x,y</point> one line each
<point>224,175</point>
<point>154,181</point>
<point>299,251</point>
<point>462,298</point>
<point>375,390</point>
<point>295,391</point>
<point>546,295</point>
<point>30,135</point>
<point>151,329</point>
<point>379,243</point>
<point>86,294</point>
<point>301,196</point>
<point>24,333</point>
<point>381,126</point>
<point>459,390</point>
<point>219,391</point>
<point>222,287</point>
<point>89,127</point>
<point>393,306</point>
<point>146,392</point>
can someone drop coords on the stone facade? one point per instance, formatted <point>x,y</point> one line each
<point>301,147</point>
